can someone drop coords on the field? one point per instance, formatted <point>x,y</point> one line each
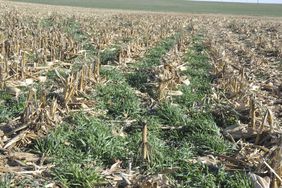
<point>104,98</point>
<point>182,6</point>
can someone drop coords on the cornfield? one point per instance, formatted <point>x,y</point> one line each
<point>52,61</point>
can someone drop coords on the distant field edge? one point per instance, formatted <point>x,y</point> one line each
<point>177,6</point>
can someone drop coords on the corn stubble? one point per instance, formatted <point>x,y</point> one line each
<point>48,62</point>
<point>246,72</point>
<point>240,50</point>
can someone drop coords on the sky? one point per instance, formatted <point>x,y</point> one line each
<point>250,1</point>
